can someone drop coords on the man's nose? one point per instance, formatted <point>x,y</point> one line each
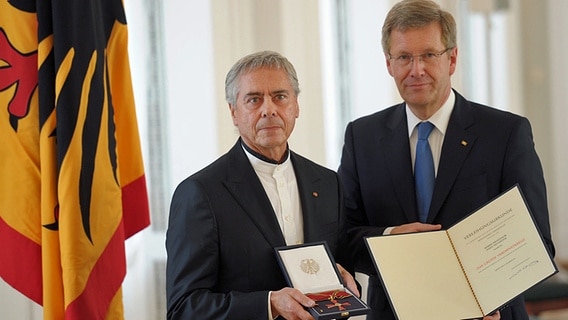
<point>268,107</point>
<point>417,66</point>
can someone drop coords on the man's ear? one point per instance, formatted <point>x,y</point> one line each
<point>232,109</point>
<point>453,60</point>
<point>388,65</point>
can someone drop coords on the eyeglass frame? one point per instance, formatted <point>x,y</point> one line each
<point>421,56</point>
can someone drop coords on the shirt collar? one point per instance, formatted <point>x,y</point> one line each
<point>264,164</point>
<point>262,157</point>
<point>440,119</point>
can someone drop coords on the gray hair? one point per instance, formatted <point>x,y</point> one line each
<point>416,14</point>
<point>255,61</point>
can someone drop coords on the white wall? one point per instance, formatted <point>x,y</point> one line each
<point>558,186</point>
<point>190,128</point>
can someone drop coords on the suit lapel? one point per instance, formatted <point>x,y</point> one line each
<point>308,182</point>
<point>243,183</point>
<point>397,156</point>
<point>458,142</point>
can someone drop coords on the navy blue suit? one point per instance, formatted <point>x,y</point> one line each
<point>485,152</point>
<point>223,230</point>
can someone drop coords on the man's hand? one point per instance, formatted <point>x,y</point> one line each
<point>415,227</point>
<point>348,280</point>
<point>494,316</point>
<point>289,303</point>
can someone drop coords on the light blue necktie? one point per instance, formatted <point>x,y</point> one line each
<point>424,176</point>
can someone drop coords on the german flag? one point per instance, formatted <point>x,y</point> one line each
<point>72,184</point>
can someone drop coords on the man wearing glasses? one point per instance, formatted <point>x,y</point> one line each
<point>399,179</point>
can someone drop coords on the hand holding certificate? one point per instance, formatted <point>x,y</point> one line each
<point>468,271</point>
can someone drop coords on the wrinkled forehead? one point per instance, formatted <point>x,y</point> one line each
<point>416,40</point>
<point>264,80</point>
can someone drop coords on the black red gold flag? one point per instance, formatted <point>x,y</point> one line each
<point>72,183</point>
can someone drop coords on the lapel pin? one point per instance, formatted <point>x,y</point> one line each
<point>315,194</point>
<point>464,143</point>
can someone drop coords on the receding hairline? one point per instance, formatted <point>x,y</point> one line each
<point>417,14</point>
<point>255,61</point>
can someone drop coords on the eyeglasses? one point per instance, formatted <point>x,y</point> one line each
<point>427,58</point>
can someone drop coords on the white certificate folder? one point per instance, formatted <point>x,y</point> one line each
<point>467,271</point>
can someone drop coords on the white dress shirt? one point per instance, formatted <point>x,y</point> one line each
<point>440,120</point>
<point>281,187</point>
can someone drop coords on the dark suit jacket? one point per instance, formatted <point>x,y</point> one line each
<point>222,233</point>
<point>376,172</point>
